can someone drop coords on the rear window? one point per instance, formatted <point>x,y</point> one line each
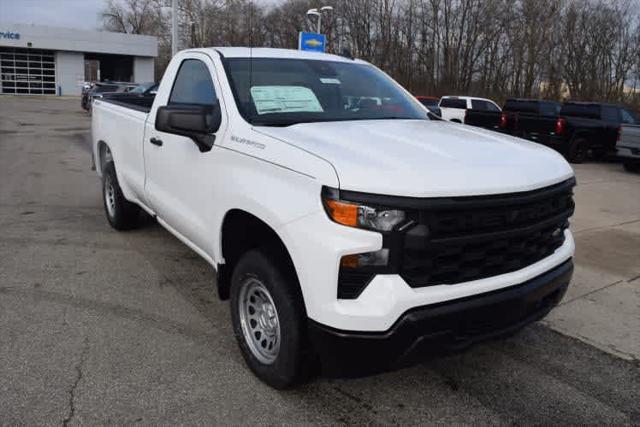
<point>429,102</point>
<point>478,104</point>
<point>544,108</point>
<point>549,108</point>
<point>521,106</point>
<point>454,103</point>
<point>610,114</point>
<point>591,111</point>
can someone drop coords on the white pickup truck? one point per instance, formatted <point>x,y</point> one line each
<point>454,108</point>
<point>351,230</point>
<point>628,145</point>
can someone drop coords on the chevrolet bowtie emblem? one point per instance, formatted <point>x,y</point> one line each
<point>313,43</point>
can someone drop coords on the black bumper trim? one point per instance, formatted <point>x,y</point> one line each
<point>440,328</point>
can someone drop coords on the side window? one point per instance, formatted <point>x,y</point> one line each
<point>610,114</point>
<point>476,104</point>
<point>492,107</point>
<point>628,117</point>
<point>453,103</point>
<point>193,84</point>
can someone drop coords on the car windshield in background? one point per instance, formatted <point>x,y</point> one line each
<point>282,92</point>
<point>629,117</point>
<point>142,88</point>
<point>453,103</point>
<point>106,88</point>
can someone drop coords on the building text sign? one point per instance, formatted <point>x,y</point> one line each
<point>9,35</point>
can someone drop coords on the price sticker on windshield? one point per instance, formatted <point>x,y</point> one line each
<point>285,99</point>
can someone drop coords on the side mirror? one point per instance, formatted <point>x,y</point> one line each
<point>197,122</point>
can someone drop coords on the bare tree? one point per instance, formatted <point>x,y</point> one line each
<point>582,49</point>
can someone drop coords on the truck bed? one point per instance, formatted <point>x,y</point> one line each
<point>133,101</point>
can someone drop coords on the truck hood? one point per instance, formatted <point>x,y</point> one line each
<point>422,158</point>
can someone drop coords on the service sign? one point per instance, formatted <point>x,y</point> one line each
<point>9,35</point>
<point>311,41</point>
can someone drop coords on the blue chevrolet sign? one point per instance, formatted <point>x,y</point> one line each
<point>312,41</point>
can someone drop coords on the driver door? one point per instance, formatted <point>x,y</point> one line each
<point>179,176</point>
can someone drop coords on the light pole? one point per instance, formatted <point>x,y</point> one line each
<point>174,24</point>
<point>318,12</point>
<point>174,27</point>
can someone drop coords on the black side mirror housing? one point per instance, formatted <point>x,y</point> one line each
<point>197,122</point>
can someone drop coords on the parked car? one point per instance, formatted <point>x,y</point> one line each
<point>628,146</point>
<point>454,107</point>
<point>513,111</point>
<point>581,129</point>
<point>100,88</point>
<point>353,235</point>
<point>431,103</point>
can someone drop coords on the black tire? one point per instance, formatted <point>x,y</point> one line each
<point>291,365</point>
<point>121,214</point>
<point>631,166</point>
<point>578,150</point>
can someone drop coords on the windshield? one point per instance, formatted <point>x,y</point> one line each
<point>283,92</point>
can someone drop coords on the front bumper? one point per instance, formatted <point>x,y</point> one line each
<point>440,327</point>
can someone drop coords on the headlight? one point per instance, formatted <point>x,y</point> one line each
<point>358,215</point>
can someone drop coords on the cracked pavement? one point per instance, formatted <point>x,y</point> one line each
<point>100,327</point>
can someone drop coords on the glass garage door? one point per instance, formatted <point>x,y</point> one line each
<point>27,71</point>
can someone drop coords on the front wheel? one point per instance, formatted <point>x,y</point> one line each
<point>269,320</point>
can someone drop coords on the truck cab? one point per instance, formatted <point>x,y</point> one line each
<point>454,108</point>
<point>350,230</point>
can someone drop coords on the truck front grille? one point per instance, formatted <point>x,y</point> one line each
<point>461,239</point>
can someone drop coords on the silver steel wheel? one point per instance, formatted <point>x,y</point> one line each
<point>110,196</point>
<point>259,320</point>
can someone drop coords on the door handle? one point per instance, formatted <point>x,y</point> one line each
<point>156,141</point>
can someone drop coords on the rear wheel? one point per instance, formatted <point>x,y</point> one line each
<point>578,151</point>
<point>121,214</point>
<point>269,320</point>
<point>632,166</point>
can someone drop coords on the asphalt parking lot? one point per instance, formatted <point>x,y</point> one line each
<point>104,327</point>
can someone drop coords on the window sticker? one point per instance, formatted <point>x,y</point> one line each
<point>284,99</point>
<point>330,81</point>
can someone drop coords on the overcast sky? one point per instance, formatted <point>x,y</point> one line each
<point>59,13</point>
<point>56,13</point>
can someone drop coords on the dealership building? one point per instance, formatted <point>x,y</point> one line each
<point>41,60</point>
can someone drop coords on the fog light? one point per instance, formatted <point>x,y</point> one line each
<point>368,259</point>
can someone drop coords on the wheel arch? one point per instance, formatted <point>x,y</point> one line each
<point>241,231</point>
<point>104,155</point>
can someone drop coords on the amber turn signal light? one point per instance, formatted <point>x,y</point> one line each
<point>343,213</point>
